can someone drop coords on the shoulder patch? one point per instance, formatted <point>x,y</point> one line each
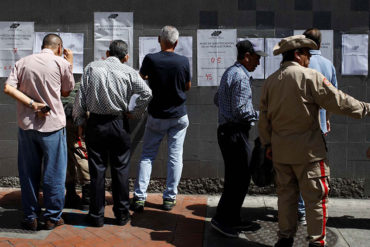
<point>327,82</point>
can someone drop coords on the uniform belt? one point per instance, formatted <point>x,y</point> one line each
<point>236,126</point>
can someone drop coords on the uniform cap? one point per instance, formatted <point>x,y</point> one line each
<point>294,42</point>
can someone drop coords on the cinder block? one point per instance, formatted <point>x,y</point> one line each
<point>8,113</point>
<point>322,19</point>
<point>208,132</point>
<point>319,5</point>
<point>303,5</point>
<point>208,19</point>
<point>246,19</point>
<point>357,133</point>
<point>357,151</point>
<point>359,5</point>
<point>8,148</point>
<point>337,156</point>
<point>8,131</point>
<point>367,187</point>
<point>302,19</point>
<point>208,114</point>
<point>265,20</point>
<point>266,5</point>
<point>338,133</point>
<point>8,166</point>
<point>247,4</point>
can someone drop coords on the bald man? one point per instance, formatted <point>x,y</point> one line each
<point>37,82</point>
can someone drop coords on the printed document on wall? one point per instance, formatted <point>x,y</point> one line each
<point>258,45</point>
<point>272,63</point>
<point>354,54</point>
<point>109,26</point>
<point>150,45</point>
<point>16,41</point>
<point>73,41</point>
<point>327,43</point>
<point>216,52</point>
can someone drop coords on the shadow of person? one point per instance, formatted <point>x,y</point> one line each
<point>347,221</point>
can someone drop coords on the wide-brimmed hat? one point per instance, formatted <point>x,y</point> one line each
<point>294,42</point>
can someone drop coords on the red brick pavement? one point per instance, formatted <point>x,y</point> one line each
<point>183,226</point>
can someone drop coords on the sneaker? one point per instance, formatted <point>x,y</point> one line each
<point>225,230</point>
<point>302,220</point>
<point>168,204</point>
<point>50,225</point>
<point>284,242</point>
<point>30,225</point>
<point>121,221</point>
<point>137,205</point>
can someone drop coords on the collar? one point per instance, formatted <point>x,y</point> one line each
<point>289,63</point>
<point>47,50</point>
<point>113,59</point>
<point>239,65</point>
<point>315,52</point>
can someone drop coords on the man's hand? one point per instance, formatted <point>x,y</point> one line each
<point>81,132</point>
<point>269,153</point>
<point>328,126</point>
<point>68,55</point>
<point>129,115</point>
<point>368,153</point>
<point>36,106</point>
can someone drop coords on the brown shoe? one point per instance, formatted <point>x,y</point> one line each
<point>30,225</point>
<point>50,225</point>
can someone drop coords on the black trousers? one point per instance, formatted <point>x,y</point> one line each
<point>236,152</point>
<point>108,140</point>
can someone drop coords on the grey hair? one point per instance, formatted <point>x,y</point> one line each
<point>169,34</point>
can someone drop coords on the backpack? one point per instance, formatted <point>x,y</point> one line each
<point>262,170</point>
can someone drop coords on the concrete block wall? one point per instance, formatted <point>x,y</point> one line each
<point>255,18</point>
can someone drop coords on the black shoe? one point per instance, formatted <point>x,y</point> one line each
<point>85,200</point>
<point>137,205</point>
<point>72,200</point>
<point>95,222</point>
<point>50,225</point>
<point>121,221</point>
<point>30,225</point>
<point>225,230</point>
<point>244,225</point>
<point>168,204</point>
<point>284,242</point>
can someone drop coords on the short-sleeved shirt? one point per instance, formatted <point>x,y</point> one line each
<point>42,77</point>
<point>168,74</point>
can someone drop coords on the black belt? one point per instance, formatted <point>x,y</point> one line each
<point>107,116</point>
<point>236,126</point>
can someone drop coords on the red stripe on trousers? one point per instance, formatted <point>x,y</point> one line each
<point>323,181</point>
<point>82,148</point>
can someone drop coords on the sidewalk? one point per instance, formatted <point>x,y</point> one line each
<point>186,225</point>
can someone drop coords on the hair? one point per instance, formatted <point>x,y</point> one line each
<point>118,48</point>
<point>51,40</point>
<point>169,34</point>
<point>289,55</point>
<point>243,47</point>
<point>314,34</point>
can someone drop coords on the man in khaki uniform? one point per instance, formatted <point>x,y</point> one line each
<point>289,126</point>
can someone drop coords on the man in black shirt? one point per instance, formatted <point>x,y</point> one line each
<point>169,77</point>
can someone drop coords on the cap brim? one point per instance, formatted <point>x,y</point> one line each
<point>261,53</point>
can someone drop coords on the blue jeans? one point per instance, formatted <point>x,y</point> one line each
<point>301,207</point>
<point>50,150</point>
<point>155,130</point>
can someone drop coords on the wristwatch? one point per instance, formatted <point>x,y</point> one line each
<point>31,103</point>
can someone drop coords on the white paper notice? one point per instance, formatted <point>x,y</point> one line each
<point>258,44</point>
<point>272,63</point>
<point>354,54</point>
<point>150,45</point>
<point>216,52</point>
<point>73,41</point>
<point>16,41</point>
<point>327,42</point>
<point>109,26</point>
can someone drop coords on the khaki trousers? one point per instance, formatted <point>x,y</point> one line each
<point>312,181</point>
<point>77,166</point>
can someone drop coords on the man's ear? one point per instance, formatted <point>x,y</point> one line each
<point>125,59</point>
<point>297,58</point>
<point>159,39</point>
<point>174,45</point>
<point>107,53</point>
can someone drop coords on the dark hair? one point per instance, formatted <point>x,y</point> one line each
<point>118,48</point>
<point>313,34</point>
<point>51,40</point>
<point>243,47</point>
<point>289,55</point>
